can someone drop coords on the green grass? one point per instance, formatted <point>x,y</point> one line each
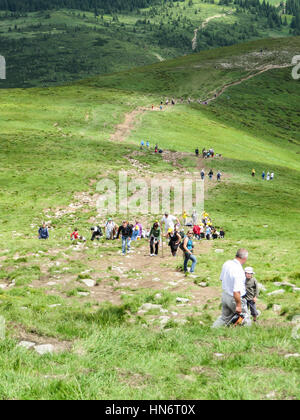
<point>51,150</point>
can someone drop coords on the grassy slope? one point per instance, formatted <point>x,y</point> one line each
<point>41,167</point>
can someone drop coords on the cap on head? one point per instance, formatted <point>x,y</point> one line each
<point>249,270</point>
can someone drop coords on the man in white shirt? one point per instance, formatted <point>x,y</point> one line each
<point>169,222</point>
<point>234,290</point>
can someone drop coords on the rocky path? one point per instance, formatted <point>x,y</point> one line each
<point>204,24</point>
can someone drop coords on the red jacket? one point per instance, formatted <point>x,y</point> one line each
<point>196,230</point>
<point>75,235</point>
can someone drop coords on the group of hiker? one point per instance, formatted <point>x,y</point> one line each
<point>174,232</point>
<point>147,144</point>
<point>269,176</point>
<point>240,288</point>
<point>206,154</point>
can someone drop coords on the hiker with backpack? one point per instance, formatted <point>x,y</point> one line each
<point>43,232</point>
<point>97,233</point>
<point>155,237</point>
<point>187,247</point>
<point>174,240</point>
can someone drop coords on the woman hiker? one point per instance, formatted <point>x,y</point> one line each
<point>188,251</point>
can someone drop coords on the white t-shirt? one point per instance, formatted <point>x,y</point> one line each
<point>233,277</point>
<point>169,222</point>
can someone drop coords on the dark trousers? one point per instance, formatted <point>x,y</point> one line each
<point>251,304</point>
<point>96,235</point>
<point>152,243</point>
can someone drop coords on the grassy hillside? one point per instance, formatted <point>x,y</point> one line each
<point>56,145</point>
<point>52,47</point>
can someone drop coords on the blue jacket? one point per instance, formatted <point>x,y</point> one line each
<point>43,233</point>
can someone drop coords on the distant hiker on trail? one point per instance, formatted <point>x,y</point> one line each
<point>197,152</point>
<point>75,235</point>
<point>148,145</point>
<point>219,176</point>
<point>211,174</point>
<point>208,233</point>
<point>152,107</point>
<point>194,217</point>
<point>137,231</point>
<point>188,252</point>
<point>167,102</point>
<point>184,216</point>
<point>174,240</point>
<point>252,292</point>
<point>97,233</point>
<point>272,176</point>
<point>253,172</point>
<point>263,175</point>
<point>197,232</point>
<point>202,174</point>
<point>126,231</point>
<point>110,229</point>
<point>222,233</point>
<point>169,221</point>
<point>155,237</point>
<point>173,102</point>
<point>142,144</point>
<point>268,176</point>
<point>203,152</point>
<point>156,148</point>
<point>43,232</point>
<point>234,290</point>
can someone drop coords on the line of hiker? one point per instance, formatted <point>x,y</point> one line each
<point>210,174</point>
<point>269,176</point>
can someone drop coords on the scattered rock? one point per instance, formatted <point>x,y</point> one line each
<point>164,319</point>
<point>54,306</point>
<point>44,349</point>
<point>182,300</point>
<point>219,251</point>
<point>164,311</point>
<point>276,292</point>
<point>261,287</point>
<point>284,284</point>
<point>187,378</point>
<point>51,283</point>
<point>89,282</point>
<point>26,344</point>
<point>276,308</point>
<point>271,395</point>
<point>287,356</point>
<point>3,286</point>
<point>172,283</point>
<point>158,296</point>
<point>218,354</point>
<point>83,294</point>
<point>203,284</point>
<point>156,279</point>
<point>148,306</point>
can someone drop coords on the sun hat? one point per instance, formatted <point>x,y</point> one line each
<point>249,270</point>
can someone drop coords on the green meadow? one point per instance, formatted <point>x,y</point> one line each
<point>55,146</point>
